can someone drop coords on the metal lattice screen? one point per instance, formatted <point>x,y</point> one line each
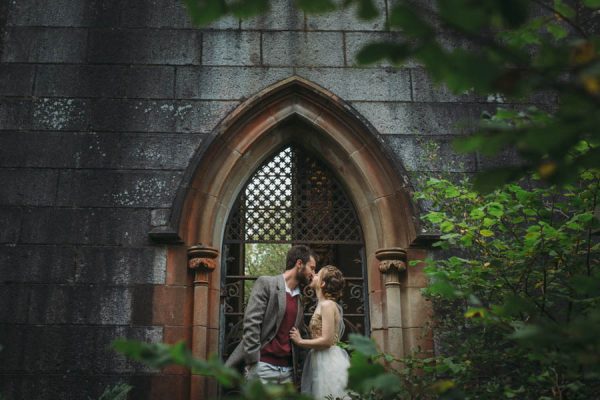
<point>293,197</point>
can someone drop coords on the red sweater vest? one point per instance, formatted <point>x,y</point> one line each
<point>279,350</point>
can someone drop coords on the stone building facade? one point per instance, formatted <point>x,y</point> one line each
<point>125,135</point>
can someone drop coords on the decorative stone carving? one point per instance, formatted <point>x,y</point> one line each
<point>391,259</point>
<point>202,260</point>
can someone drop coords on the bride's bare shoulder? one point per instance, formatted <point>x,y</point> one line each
<point>328,304</point>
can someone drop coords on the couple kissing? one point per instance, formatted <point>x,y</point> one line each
<point>273,328</point>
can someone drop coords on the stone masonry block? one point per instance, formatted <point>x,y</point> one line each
<point>160,216</point>
<point>83,264</point>
<point>231,48</point>
<point>133,115</point>
<point>159,116</point>
<point>173,47</point>
<point>172,151</point>
<point>150,82</point>
<point>95,226</point>
<point>283,15</point>
<point>16,146</point>
<point>154,14</point>
<point>82,349</point>
<point>80,304</point>
<point>15,114</point>
<point>362,84</point>
<point>226,83</point>
<point>347,19</point>
<point>431,153</point>
<point>201,116</point>
<point>66,385</point>
<point>27,187</point>
<point>105,81</point>
<point>34,264</point>
<point>11,217</point>
<point>15,303</point>
<point>16,79</point>
<point>11,356</point>
<point>80,80</point>
<point>165,14</point>
<point>64,13</point>
<point>60,114</point>
<point>30,149</point>
<point>99,188</point>
<point>355,41</point>
<point>421,118</point>
<point>40,13</point>
<point>312,49</point>
<point>44,45</point>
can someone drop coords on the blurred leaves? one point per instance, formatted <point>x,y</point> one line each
<point>160,355</point>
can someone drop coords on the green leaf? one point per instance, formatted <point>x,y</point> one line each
<point>367,9</point>
<point>248,8</point>
<point>495,209</point>
<point>363,345</point>
<point>592,3</point>
<point>374,52</point>
<point>564,9</point>
<point>477,213</point>
<point>361,371</point>
<point>203,12</point>
<point>556,30</point>
<point>451,192</point>
<point>403,16</point>
<point>486,233</point>
<point>117,392</point>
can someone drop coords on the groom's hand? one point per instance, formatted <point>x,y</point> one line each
<point>250,371</point>
<point>295,335</point>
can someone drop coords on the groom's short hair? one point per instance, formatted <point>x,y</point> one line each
<point>298,252</point>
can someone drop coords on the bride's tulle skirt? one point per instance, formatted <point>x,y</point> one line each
<point>325,373</point>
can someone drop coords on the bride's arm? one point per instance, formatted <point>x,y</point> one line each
<point>327,338</point>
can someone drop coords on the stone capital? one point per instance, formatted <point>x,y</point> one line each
<point>202,260</point>
<point>391,259</point>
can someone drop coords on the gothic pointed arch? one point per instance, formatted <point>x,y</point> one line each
<point>300,113</point>
<point>345,139</point>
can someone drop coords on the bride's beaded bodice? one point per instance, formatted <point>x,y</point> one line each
<point>315,326</point>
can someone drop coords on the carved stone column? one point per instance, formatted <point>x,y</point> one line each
<point>202,260</point>
<point>392,261</point>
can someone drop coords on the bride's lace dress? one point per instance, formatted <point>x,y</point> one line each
<point>325,371</point>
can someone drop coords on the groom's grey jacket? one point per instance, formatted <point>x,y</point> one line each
<point>263,316</point>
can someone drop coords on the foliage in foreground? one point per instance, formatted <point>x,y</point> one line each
<point>517,301</point>
<point>516,293</point>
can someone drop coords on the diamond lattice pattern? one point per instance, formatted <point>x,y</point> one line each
<point>293,197</point>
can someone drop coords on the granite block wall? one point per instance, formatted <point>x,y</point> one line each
<point>102,105</point>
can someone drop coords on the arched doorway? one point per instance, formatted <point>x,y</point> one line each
<point>292,198</point>
<point>299,112</point>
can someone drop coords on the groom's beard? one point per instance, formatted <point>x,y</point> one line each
<point>302,279</point>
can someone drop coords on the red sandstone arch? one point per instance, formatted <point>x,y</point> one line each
<point>375,181</point>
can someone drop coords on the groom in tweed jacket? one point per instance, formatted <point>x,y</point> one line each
<point>274,307</point>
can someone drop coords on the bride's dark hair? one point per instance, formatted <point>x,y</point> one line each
<point>334,282</point>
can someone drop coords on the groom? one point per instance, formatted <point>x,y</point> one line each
<point>273,309</point>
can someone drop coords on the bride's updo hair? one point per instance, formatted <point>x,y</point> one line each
<point>334,282</point>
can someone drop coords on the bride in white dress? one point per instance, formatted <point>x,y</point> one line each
<point>325,372</point>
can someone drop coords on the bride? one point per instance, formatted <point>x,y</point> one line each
<point>325,372</point>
